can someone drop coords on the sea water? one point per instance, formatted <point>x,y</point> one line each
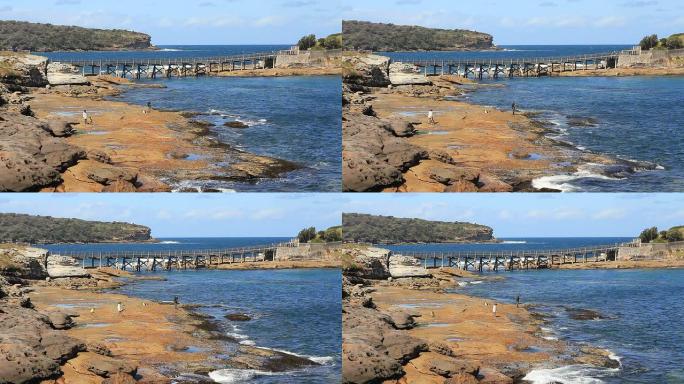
<point>296,118</point>
<point>633,118</point>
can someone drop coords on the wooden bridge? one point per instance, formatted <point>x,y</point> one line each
<point>181,67</point>
<point>482,261</point>
<point>523,67</point>
<point>167,260</point>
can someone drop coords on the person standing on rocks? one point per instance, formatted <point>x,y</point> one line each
<point>513,107</point>
<point>494,309</point>
<point>431,117</point>
<point>85,117</point>
<point>517,301</point>
<point>119,307</point>
<point>176,301</point>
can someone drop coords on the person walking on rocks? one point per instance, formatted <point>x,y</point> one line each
<point>119,307</point>
<point>513,107</point>
<point>494,309</point>
<point>149,108</point>
<point>431,117</point>
<point>176,301</point>
<point>85,117</point>
<point>517,301</point>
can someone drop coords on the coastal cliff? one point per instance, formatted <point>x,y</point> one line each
<point>365,35</point>
<point>25,36</point>
<point>392,230</point>
<point>45,229</point>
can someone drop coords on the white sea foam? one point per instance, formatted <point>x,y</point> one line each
<point>570,374</point>
<point>248,342</point>
<point>169,242</point>
<point>514,242</point>
<point>562,182</point>
<point>170,50</point>
<point>230,376</point>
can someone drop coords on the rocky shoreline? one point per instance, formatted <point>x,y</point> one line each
<point>402,324</point>
<point>46,147</point>
<point>390,146</point>
<point>58,326</point>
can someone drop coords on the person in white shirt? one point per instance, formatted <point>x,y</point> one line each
<point>85,117</point>
<point>431,117</point>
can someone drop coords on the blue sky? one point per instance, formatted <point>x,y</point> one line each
<point>533,21</point>
<point>189,21</point>
<point>534,215</point>
<point>188,215</point>
<point>262,214</point>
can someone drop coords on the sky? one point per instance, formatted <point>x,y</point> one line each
<point>198,22</point>
<point>535,215</point>
<point>284,214</point>
<point>532,21</point>
<point>188,215</point>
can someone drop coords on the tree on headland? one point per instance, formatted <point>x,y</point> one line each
<point>310,42</point>
<point>649,42</point>
<point>649,234</point>
<point>310,235</point>
<point>307,234</point>
<point>307,42</point>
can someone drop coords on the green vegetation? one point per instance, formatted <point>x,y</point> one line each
<point>310,42</point>
<point>651,235</point>
<point>25,36</point>
<point>364,35</point>
<point>675,41</point>
<point>310,235</point>
<point>45,230</point>
<point>391,230</point>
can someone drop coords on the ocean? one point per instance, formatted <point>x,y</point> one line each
<point>643,307</point>
<point>295,118</point>
<point>636,119</point>
<point>296,311</point>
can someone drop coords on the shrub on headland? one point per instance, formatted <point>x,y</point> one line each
<point>651,235</point>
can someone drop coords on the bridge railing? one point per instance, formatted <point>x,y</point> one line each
<point>170,60</point>
<point>81,255</point>
<point>549,59</point>
<point>520,253</point>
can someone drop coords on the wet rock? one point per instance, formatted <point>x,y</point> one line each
<point>579,121</point>
<point>269,360</point>
<point>236,124</point>
<point>584,314</point>
<point>238,317</point>
<point>597,357</point>
<point>98,348</point>
<point>441,349</point>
